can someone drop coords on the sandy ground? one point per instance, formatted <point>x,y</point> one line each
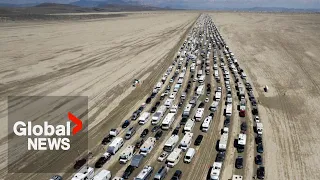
<point>98,59</point>
<point>281,51</point>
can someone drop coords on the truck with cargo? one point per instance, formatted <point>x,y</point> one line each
<point>156,118</point>
<point>187,110</point>
<point>144,118</point>
<point>199,114</point>
<point>126,154</point>
<point>174,157</point>
<point>168,120</point>
<point>85,173</point>
<point>186,141</point>
<point>103,175</point>
<point>189,125</point>
<point>147,146</point>
<point>223,142</point>
<point>115,145</point>
<point>206,124</point>
<point>171,143</point>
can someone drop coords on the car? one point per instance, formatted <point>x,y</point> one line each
<point>239,162</point>
<point>148,100</point>
<point>183,121</point>
<point>163,156</point>
<point>153,109</point>
<point>177,175</point>
<point>220,156</point>
<point>162,96</point>
<point>258,159</point>
<point>153,95</point>
<point>107,139</point>
<point>256,119</point>
<point>157,104</point>
<point>208,85</point>
<point>102,160</point>
<point>79,163</point>
<point>207,100</point>
<point>56,177</point>
<point>244,126</point>
<point>155,128</point>
<point>135,115</point>
<point>143,105</point>
<point>171,80</point>
<point>260,148</point>
<point>158,134</point>
<point>188,86</point>
<point>201,105</point>
<point>219,89</point>
<point>180,104</point>
<point>175,131</point>
<point>198,140</point>
<point>125,124</point>
<point>131,131</point>
<point>141,108</point>
<point>260,172</point>
<point>144,133</point>
<point>192,76</point>
<point>258,139</point>
<point>128,172</point>
<point>168,88</point>
<point>139,143</point>
<point>226,122</point>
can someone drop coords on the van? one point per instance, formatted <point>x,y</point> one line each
<point>161,174</point>
<point>189,155</point>
<point>130,133</point>
<point>103,175</point>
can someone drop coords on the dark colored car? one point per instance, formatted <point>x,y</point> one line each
<point>220,156</point>
<point>258,159</point>
<point>125,124</point>
<point>198,140</point>
<point>201,105</point>
<point>244,126</point>
<point>139,143</point>
<point>177,175</point>
<point>106,140</point>
<point>56,177</point>
<point>192,76</point>
<point>211,114</point>
<point>157,104</point>
<point>140,109</point>
<point>188,86</point>
<point>260,148</point>
<point>158,134</point>
<point>155,128</point>
<point>153,109</point>
<point>101,161</point>
<point>226,122</point>
<point>79,163</point>
<point>175,131</point>
<point>153,95</point>
<point>183,121</point>
<point>128,172</point>
<point>180,104</point>
<point>148,100</point>
<point>144,133</point>
<point>258,139</point>
<point>239,162</point>
<point>260,172</point>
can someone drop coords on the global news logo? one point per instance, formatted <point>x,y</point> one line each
<point>48,136</point>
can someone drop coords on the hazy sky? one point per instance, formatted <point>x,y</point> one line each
<point>204,3</point>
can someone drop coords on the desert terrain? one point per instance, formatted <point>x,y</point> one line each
<point>281,51</point>
<point>100,58</point>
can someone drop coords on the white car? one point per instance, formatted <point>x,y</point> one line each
<point>207,100</point>
<point>195,79</point>
<point>257,119</point>
<point>163,156</point>
<point>171,80</point>
<point>219,89</point>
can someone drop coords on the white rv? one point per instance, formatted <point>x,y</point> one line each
<point>145,173</point>
<point>187,110</point>
<point>229,110</point>
<point>189,125</point>
<point>158,115</point>
<point>259,127</point>
<point>189,155</point>
<point>147,146</point>
<point>199,114</point>
<point>168,102</point>
<point>174,157</point>
<point>115,145</point>
<point>214,106</point>
<point>103,175</point>
<point>144,118</point>
<point>200,90</point>
<point>85,173</point>
<point>206,124</point>
<point>186,141</point>
<point>168,120</point>
<point>215,171</point>
<point>223,142</point>
<point>171,143</point>
<point>126,154</point>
